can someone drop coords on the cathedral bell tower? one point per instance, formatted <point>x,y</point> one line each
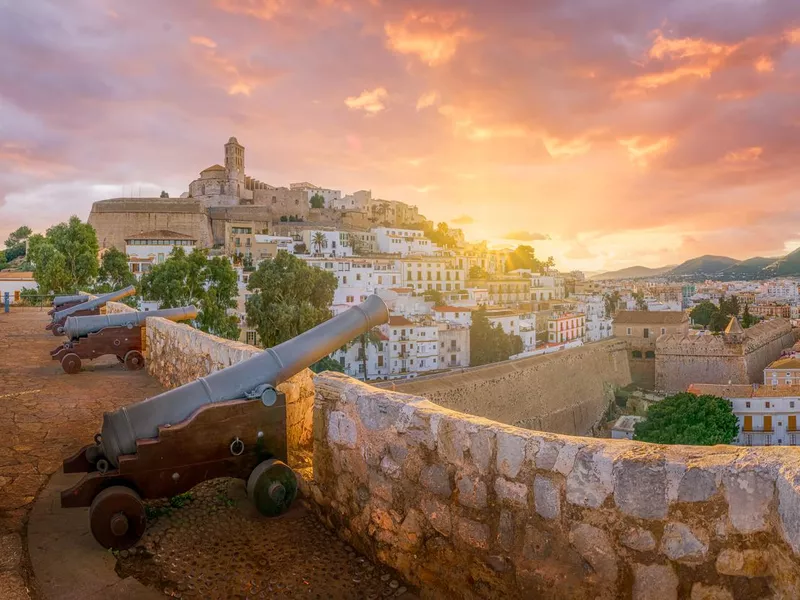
<point>234,166</point>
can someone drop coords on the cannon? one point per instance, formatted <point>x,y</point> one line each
<point>231,423</point>
<point>83,309</point>
<point>62,302</point>
<point>121,334</point>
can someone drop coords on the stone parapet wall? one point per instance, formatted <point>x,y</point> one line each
<point>178,354</point>
<point>118,307</point>
<point>564,392</point>
<point>469,508</point>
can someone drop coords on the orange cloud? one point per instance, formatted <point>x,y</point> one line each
<point>260,9</point>
<point>745,155</point>
<point>558,148</point>
<point>764,65</point>
<point>642,151</point>
<point>25,161</point>
<point>370,101</point>
<point>427,99</point>
<point>200,40</point>
<point>434,37</point>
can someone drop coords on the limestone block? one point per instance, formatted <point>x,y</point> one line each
<point>789,509</point>
<point>591,480</point>
<point>10,551</point>
<point>710,592</point>
<point>547,455</point>
<point>515,493</point>
<point>697,485</point>
<point>749,494</point>
<point>376,412</point>
<point>471,492</point>
<point>342,429</point>
<point>473,533</point>
<point>436,479</point>
<point>506,530</point>
<point>547,498</point>
<point>640,488</point>
<point>654,582</point>
<point>510,453</point>
<point>566,457</point>
<point>743,563</point>
<point>390,467</point>
<point>680,543</point>
<point>595,547</point>
<point>638,539</point>
<point>481,448</point>
<point>438,514</point>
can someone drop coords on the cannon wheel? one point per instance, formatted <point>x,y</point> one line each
<point>134,360</point>
<point>117,518</point>
<point>71,363</point>
<point>272,487</point>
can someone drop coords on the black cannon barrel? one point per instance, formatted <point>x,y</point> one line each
<point>59,300</point>
<point>75,327</point>
<point>95,303</point>
<point>248,378</point>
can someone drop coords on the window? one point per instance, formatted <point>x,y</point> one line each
<point>636,354</point>
<point>629,331</point>
<point>791,404</point>
<point>766,404</point>
<point>646,332</point>
<point>663,330</point>
<point>747,405</point>
<point>649,354</point>
<point>380,360</point>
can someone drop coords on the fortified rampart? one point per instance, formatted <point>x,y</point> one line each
<point>563,392</point>
<point>720,359</point>
<point>465,507</point>
<point>118,218</point>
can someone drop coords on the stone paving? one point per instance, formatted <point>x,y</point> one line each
<point>209,543</point>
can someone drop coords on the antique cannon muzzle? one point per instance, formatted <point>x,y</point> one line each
<point>95,303</point>
<point>75,327</point>
<point>59,300</point>
<point>252,378</point>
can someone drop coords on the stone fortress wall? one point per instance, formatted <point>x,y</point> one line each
<point>467,507</point>
<point>115,219</point>
<point>683,360</point>
<point>541,392</point>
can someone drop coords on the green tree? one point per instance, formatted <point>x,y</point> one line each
<point>317,201</point>
<point>357,245</point>
<point>65,258</point>
<point>289,297</point>
<point>729,307</point>
<point>489,343</point>
<point>327,364</point>
<point>15,244</point>
<point>612,302</point>
<point>702,313</point>
<point>748,320</point>
<point>719,321</point>
<point>114,272</point>
<point>318,241</point>
<point>434,296</point>
<point>164,194</point>
<point>641,303</point>
<point>209,284</point>
<point>689,419</point>
<point>3,262</point>
<point>478,272</point>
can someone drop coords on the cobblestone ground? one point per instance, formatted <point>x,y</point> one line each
<point>209,543</point>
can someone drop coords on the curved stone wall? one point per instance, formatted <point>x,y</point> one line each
<point>466,507</point>
<point>564,392</point>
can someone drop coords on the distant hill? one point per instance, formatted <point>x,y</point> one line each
<point>703,266</point>
<point>751,268</point>
<point>786,266</point>
<point>632,273</point>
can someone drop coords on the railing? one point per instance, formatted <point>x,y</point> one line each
<point>758,430</point>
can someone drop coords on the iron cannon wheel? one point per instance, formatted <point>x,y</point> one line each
<point>134,360</point>
<point>272,487</point>
<point>117,518</point>
<point>71,363</point>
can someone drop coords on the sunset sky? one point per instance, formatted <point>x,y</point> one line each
<point>625,131</point>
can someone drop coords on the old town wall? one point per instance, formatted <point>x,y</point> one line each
<point>177,354</point>
<point>541,392</point>
<point>469,508</point>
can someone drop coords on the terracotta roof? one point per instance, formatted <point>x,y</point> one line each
<point>214,168</point>
<point>399,320</point>
<point>159,234</point>
<point>11,275</point>
<point>736,390</point>
<point>651,317</point>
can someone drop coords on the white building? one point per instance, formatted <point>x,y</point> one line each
<point>623,428</point>
<point>443,274</point>
<point>153,247</point>
<point>598,325</point>
<point>321,242</point>
<point>453,346</point>
<point>391,240</point>
<point>413,348</point>
<point>356,201</point>
<point>783,289</point>
<point>331,197</point>
<point>12,282</point>
<point>352,358</point>
<point>566,327</point>
<point>285,243</point>
<point>453,314</point>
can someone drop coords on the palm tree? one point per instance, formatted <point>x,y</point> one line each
<point>318,241</point>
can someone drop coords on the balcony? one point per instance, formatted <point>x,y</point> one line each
<point>758,430</point>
